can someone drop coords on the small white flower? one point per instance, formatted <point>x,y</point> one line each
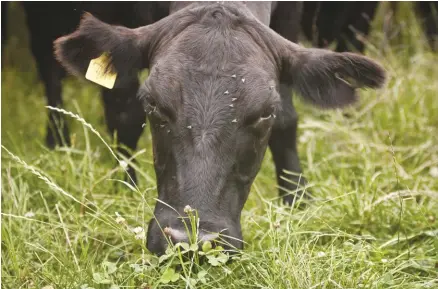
<point>226,92</point>
<point>384,260</point>
<point>137,230</point>
<point>234,120</point>
<point>120,219</point>
<point>227,271</point>
<point>243,80</point>
<point>187,209</point>
<point>29,215</point>
<point>233,76</point>
<point>234,99</point>
<point>140,236</point>
<point>189,127</point>
<point>320,254</point>
<point>123,164</point>
<point>434,172</point>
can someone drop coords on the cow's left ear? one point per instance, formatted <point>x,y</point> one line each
<point>93,38</point>
<point>127,50</point>
<point>325,78</point>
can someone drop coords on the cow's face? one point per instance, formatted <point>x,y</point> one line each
<point>211,100</point>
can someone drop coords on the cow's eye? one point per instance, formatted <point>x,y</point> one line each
<point>150,106</point>
<point>267,114</point>
<point>261,117</point>
<point>160,114</point>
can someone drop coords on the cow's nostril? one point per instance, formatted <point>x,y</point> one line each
<point>225,235</point>
<point>177,236</point>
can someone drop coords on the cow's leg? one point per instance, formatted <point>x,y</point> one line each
<point>357,26</point>
<point>4,28</point>
<point>125,117</point>
<point>283,141</point>
<point>330,19</point>
<point>308,20</point>
<point>51,73</point>
<point>44,28</point>
<point>428,11</point>
<point>283,145</point>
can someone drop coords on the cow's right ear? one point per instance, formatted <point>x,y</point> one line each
<point>328,79</point>
<point>324,78</point>
<point>125,47</point>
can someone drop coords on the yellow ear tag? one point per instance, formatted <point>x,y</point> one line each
<point>96,72</point>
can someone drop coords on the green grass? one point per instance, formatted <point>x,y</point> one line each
<point>373,224</point>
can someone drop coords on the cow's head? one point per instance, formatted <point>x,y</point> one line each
<point>211,98</point>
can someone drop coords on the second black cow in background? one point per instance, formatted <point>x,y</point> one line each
<point>324,22</point>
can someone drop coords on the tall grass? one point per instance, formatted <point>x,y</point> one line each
<point>69,221</point>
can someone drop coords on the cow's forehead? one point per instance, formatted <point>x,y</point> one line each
<point>220,60</point>
<point>186,76</point>
<point>219,42</point>
<point>211,61</point>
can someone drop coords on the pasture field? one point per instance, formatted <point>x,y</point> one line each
<point>372,168</point>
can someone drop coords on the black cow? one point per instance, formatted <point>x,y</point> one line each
<point>46,22</point>
<point>324,22</point>
<point>218,93</point>
<point>428,10</point>
<point>5,8</point>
